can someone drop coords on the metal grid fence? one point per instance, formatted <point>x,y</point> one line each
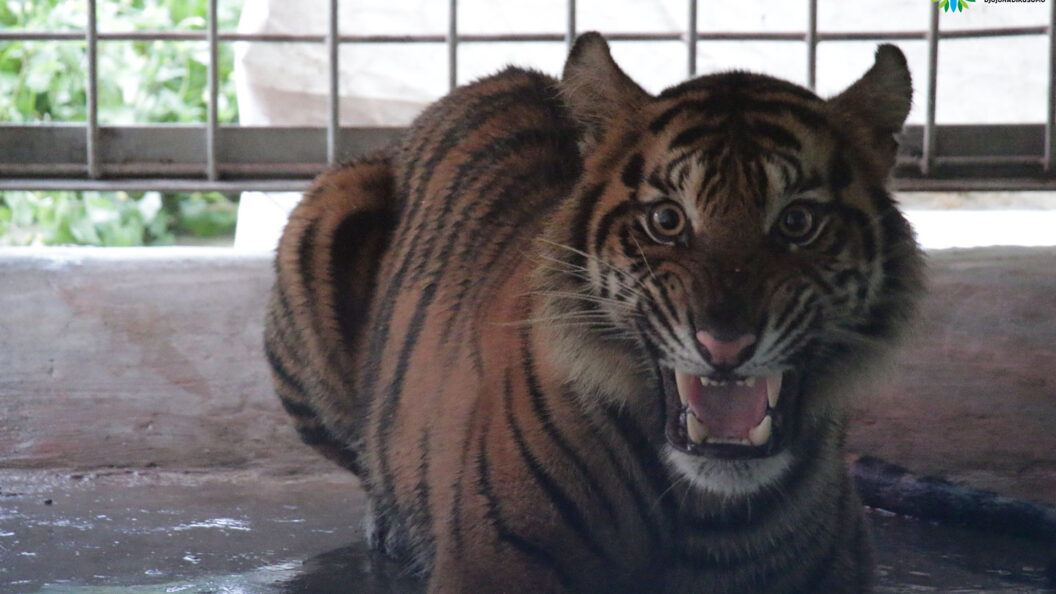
<point>237,158</point>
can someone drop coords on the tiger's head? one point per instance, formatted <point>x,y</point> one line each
<point>730,245</point>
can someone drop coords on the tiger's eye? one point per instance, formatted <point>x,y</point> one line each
<point>796,222</point>
<point>667,221</point>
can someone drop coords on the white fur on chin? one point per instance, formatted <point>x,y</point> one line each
<point>729,477</point>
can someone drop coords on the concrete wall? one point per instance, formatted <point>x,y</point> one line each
<point>152,357</point>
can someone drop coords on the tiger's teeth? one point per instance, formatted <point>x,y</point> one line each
<point>773,389</point>
<point>696,430</point>
<point>683,384</point>
<point>760,434</point>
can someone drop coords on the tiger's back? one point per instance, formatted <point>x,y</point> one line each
<point>482,324</point>
<point>479,171</point>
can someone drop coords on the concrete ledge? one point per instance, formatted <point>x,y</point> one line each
<point>153,358</point>
<point>138,358</point>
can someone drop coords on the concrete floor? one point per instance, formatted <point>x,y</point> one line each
<point>125,532</point>
<point>135,398</point>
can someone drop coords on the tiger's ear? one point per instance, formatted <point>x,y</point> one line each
<point>879,101</point>
<point>596,91</point>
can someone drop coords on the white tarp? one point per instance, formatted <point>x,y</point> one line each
<point>992,80</point>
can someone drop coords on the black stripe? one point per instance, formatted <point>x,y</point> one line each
<point>725,102</point>
<point>625,472</point>
<point>315,436</point>
<point>632,172</point>
<point>474,115</point>
<point>386,420</point>
<point>777,134</point>
<point>532,551</point>
<point>493,152</point>
<point>421,514</point>
<point>545,418</point>
<point>297,409</point>
<point>283,373</point>
<point>562,502</point>
<point>606,223</point>
<point>791,306</point>
<point>305,256</point>
<point>530,197</point>
<point>350,240</point>
<point>840,174</point>
<point>693,134</point>
<point>645,454</point>
<point>463,112</point>
<point>455,520</point>
<point>579,228</point>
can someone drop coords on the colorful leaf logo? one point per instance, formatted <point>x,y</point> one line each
<point>953,5</point>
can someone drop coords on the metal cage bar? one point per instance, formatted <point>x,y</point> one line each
<point>570,35</point>
<point>170,156</point>
<point>691,39</point>
<point>928,148</point>
<point>1050,121</point>
<point>92,163</point>
<point>333,120</point>
<point>229,36</point>
<point>212,117</point>
<point>452,45</point>
<point>812,44</point>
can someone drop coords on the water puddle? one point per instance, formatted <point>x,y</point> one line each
<point>244,534</point>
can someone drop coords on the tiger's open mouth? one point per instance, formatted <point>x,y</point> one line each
<point>730,417</point>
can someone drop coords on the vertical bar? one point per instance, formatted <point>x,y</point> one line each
<point>334,117</point>
<point>928,157</point>
<point>452,46</point>
<point>812,44</point>
<point>691,39</point>
<point>211,116</point>
<point>1050,122</point>
<point>92,95</point>
<point>570,34</point>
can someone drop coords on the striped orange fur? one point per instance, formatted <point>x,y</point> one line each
<point>543,327</point>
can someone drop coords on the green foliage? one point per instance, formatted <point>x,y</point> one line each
<point>139,82</point>
<point>112,218</point>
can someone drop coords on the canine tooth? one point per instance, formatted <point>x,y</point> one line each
<point>773,389</point>
<point>682,384</point>
<point>750,382</point>
<point>706,382</point>
<point>760,434</point>
<point>696,430</point>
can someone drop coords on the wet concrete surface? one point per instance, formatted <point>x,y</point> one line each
<point>127,532</point>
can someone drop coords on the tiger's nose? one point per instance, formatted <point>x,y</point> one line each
<point>726,353</point>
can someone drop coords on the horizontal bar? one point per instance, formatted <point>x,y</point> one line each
<point>176,150</point>
<point>153,185</point>
<point>9,35</point>
<point>29,154</point>
<point>55,143</point>
<point>995,184</point>
<point>1032,184</point>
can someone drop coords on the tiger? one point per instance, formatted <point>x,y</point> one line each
<point>576,337</point>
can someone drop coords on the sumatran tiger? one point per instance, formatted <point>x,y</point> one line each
<point>574,337</point>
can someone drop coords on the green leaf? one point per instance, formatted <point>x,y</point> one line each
<point>205,218</point>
